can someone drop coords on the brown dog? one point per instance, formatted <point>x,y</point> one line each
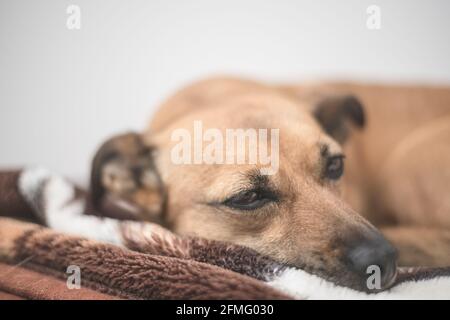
<point>396,142</point>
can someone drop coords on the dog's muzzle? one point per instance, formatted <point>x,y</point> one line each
<point>370,258</point>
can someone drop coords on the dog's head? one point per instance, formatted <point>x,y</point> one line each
<point>294,215</point>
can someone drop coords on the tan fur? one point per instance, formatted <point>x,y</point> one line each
<point>421,246</point>
<point>397,170</point>
<point>10,232</point>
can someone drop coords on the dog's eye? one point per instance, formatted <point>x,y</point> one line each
<point>248,200</point>
<point>334,167</point>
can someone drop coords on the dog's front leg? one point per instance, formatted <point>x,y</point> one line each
<point>420,246</point>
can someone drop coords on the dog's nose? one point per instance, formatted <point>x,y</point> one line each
<point>374,258</point>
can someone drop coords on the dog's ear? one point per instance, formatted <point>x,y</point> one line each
<point>337,113</point>
<point>123,171</point>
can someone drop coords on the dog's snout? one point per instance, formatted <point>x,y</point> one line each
<point>375,257</point>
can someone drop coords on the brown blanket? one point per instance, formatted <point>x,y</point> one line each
<point>139,260</point>
<point>163,271</point>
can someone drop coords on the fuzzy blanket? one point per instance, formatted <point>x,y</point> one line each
<point>140,260</point>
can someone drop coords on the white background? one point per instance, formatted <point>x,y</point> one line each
<point>62,92</point>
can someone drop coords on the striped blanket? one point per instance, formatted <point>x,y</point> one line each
<point>53,246</point>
